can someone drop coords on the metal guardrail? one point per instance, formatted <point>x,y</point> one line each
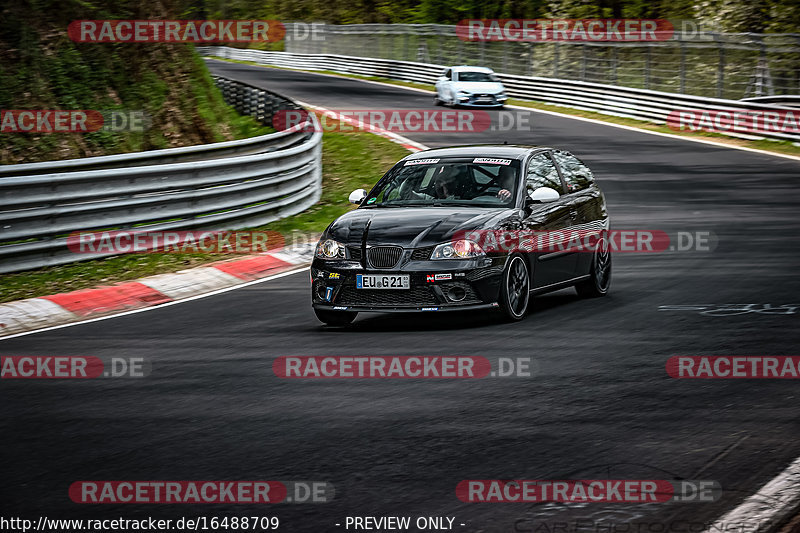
<point>692,60</point>
<point>229,185</point>
<point>643,104</point>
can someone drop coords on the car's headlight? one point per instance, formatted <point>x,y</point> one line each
<point>501,95</point>
<point>330,249</point>
<point>464,93</point>
<point>461,249</point>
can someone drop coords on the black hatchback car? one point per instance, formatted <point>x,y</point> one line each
<point>418,240</point>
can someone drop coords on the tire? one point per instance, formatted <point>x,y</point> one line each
<point>515,289</point>
<point>600,273</point>
<point>436,100</point>
<point>335,318</point>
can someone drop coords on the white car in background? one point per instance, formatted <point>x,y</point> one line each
<point>470,86</point>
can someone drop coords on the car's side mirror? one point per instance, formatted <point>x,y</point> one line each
<point>357,196</point>
<point>543,195</point>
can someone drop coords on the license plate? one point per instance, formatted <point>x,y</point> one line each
<point>369,281</point>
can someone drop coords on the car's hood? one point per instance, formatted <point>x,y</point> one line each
<point>481,87</point>
<point>412,227</point>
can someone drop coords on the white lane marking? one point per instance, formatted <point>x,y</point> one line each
<point>573,117</point>
<point>767,508</point>
<point>407,143</point>
<point>160,306</point>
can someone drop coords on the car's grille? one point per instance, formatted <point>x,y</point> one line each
<point>355,253</point>
<point>384,256</point>
<point>414,297</point>
<point>421,254</point>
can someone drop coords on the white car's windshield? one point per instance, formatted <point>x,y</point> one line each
<point>477,181</point>
<point>476,76</point>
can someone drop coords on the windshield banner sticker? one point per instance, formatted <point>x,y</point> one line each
<point>421,162</point>
<point>490,161</point>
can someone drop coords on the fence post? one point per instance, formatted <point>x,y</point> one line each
<point>613,65</point>
<point>682,89</point>
<point>720,68</point>
<point>583,62</point>
<point>531,48</point>
<point>555,59</point>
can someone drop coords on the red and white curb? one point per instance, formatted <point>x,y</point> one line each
<point>77,306</point>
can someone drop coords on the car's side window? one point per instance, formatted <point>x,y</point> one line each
<point>542,173</point>
<point>576,173</point>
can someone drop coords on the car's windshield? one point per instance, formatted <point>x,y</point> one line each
<point>475,76</point>
<point>478,181</point>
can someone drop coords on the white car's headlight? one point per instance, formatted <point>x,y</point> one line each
<point>501,95</point>
<point>330,249</point>
<point>461,249</point>
<point>464,93</point>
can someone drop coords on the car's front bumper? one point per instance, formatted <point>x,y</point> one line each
<point>434,286</point>
<point>481,101</point>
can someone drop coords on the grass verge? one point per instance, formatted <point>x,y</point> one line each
<point>349,161</point>
<point>780,147</point>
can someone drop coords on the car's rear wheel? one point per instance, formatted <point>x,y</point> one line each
<point>600,273</point>
<point>335,318</point>
<point>515,289</point>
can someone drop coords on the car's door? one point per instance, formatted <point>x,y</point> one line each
<point>585,201</point>
<point>550,264</point>
<point>442,84</point>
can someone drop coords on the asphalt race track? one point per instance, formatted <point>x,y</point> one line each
<point>600,406</point>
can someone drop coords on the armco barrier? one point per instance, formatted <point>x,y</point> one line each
<point>228,185</point>
<point>642,104</point>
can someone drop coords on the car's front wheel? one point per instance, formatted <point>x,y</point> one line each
<point>335,318</point>
<point>600,275</point>
<point>515,289</point>
<point>436,100</point>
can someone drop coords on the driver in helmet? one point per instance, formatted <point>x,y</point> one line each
<point>444,185</point>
